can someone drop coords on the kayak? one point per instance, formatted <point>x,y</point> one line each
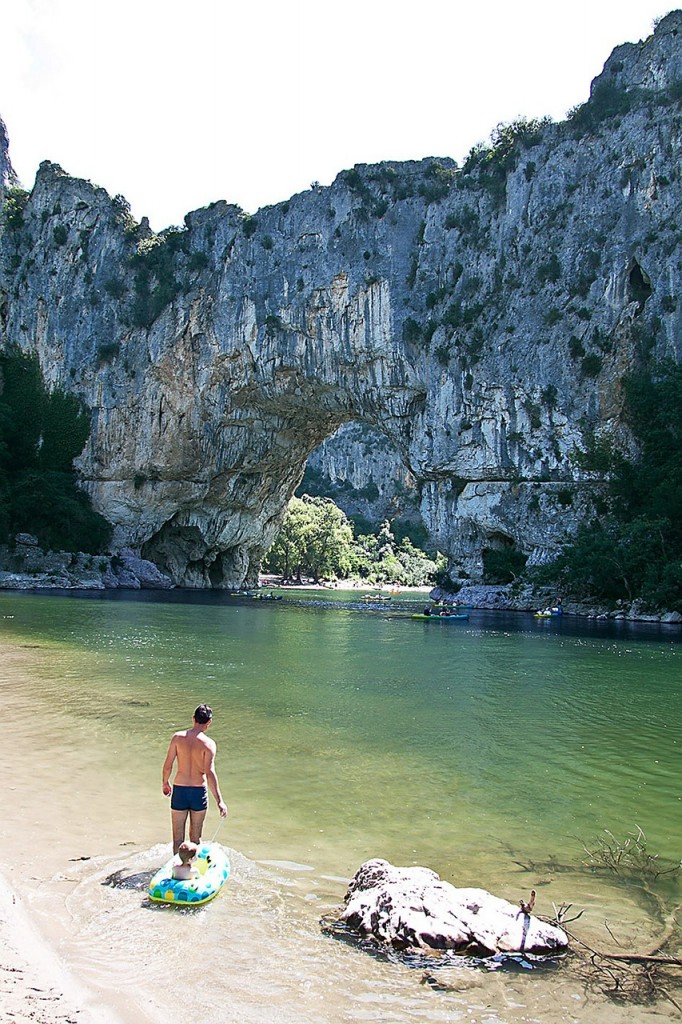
<point>439,618</point>
<point>213,867</point>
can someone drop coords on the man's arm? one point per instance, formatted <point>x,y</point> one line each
<point>168,766</point>
<point>212,781</point>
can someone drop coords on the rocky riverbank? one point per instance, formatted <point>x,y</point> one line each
<point>25,566</point>
<point>511,597</point>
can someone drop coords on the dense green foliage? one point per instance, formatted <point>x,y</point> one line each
<point>315,540</point>
<point>318,541</point>
<point>157,279</point>
<point>383,558</point>
<point>41,433</point>
<point>13,208</point>
<point>502,565</point>
<point>634,549</point>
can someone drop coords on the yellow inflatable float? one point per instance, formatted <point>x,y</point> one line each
<point>214,868</point>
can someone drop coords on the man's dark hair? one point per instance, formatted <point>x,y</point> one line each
<point>203,714</point>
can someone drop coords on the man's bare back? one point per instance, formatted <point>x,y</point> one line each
<point>195,755</point>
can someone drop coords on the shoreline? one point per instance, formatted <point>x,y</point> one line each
<point>35,984</point>
<point>478,597</point>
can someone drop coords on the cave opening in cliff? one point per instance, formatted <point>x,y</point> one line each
<point>639,286</point>
<point>502,560</point>
<point>216,572</point>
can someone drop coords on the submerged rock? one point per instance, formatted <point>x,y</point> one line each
<point>413,907</point>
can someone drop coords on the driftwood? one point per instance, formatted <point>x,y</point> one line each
<point>637,975</point>
<point>638,958</point>
<point>630,977</point>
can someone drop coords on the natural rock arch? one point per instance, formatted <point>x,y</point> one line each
<point>483,318</point>
<point>222,438</point>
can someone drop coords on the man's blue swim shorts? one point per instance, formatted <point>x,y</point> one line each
<point>189,798</point>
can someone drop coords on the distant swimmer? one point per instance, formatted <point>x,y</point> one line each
<point>195,755</point>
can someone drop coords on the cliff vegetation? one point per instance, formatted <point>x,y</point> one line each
<point>632,548</point>
<point>41,432</point>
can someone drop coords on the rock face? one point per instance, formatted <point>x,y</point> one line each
<point>7,174</point>
<point>25,567</point>
<point>361,470</point>
<point>412,907</point>
<point>479,319</point>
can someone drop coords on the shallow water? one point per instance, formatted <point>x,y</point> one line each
<point>489,750</point>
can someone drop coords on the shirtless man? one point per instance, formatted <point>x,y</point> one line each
<point>195,754</point>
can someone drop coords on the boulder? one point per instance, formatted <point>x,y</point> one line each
<point>413,907</point>
<point>139,573</point>
<point>26,539</point>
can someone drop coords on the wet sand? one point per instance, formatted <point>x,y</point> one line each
<point>34,983</point>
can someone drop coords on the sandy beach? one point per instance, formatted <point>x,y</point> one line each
<point>34,984</point>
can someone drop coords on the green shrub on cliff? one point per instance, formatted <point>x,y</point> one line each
<point>13,209</point>
<point>634,549</point>
<point>487,166</point>
<point>157,265</point>
<point>41,433</point>
<point>607,100</point>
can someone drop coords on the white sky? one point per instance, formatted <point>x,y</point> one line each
<point>176,105</point>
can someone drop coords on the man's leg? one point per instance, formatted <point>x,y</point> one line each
<point>196,822</point>
<point>178,820</point>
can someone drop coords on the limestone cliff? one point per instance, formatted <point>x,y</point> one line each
<point>481,319</point>
<point>8,177</point>
<point>360,469</point>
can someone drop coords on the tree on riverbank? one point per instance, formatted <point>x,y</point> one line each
<point>41,433</point>
<point>632,550</point>
<point>317,540</point>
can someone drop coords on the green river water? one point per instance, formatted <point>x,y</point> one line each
<point>491,750</point>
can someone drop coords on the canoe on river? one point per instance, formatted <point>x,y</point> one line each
<point>441,618</point>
